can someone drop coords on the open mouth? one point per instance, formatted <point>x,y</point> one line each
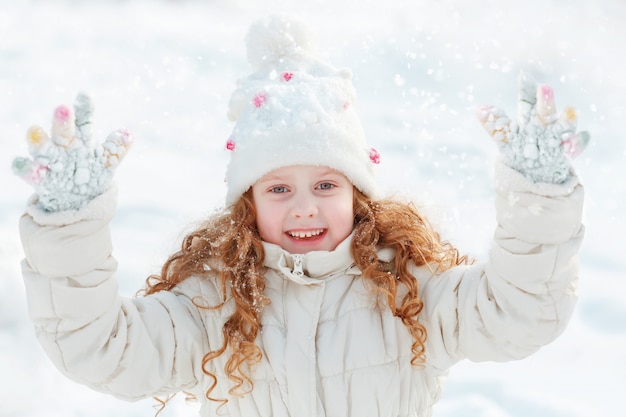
<point>306,234</point>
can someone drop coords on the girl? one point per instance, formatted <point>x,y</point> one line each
<point>308,295</point>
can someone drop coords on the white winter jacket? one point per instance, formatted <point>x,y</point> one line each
<point>327,350</point>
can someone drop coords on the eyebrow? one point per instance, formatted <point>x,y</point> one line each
<point>330,171</point>
<point>272,177</point>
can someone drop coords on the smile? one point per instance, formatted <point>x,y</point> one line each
<point>305,234</point>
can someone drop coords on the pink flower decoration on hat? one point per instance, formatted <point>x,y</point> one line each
<point>230,145</point>
<point>374,156</point>
<point>259,99</point>
<point>286,76</point>
<point>346,105</point>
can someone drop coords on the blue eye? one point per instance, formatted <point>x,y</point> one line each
<point>326,186</point>
<point>278,189</point>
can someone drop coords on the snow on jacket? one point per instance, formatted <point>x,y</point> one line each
<point>327,350</point>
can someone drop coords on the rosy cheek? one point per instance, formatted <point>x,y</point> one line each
<point>264,221</point>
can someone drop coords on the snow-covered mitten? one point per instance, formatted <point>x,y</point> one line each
<point>542,143</point>
<point>67,170</point>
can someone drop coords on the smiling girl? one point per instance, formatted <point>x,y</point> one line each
<point>308,295</point>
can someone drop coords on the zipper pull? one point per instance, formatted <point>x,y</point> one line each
<point>297,265</point>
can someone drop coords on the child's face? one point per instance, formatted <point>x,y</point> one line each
<point>304,208</point>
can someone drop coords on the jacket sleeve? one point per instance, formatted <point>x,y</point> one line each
<point>131,348</point>
<point>523,296</point>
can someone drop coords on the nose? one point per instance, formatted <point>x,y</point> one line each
<point>304,206</point>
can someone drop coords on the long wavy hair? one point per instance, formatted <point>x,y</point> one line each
<point>231,238</point>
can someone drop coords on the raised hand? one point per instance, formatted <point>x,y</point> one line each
<point>542,143</point>
<point>66,169</point>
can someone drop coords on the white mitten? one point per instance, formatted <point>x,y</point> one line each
<point>66,169</point>
<point>541,144</point>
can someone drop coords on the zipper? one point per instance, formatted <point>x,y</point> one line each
<point>297,265</point>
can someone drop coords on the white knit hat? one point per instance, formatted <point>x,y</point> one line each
<point>294,109</point>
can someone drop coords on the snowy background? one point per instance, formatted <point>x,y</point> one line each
<point>165,69</point>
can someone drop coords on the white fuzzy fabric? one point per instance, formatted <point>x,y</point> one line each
<point>66,169</point>
<point>101,207</point>
<point>507,178</point>
<point>295,109</point>
<point>542,142</point>
<point>269,40</point>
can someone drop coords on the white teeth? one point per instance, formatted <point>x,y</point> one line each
<point>307,234</point>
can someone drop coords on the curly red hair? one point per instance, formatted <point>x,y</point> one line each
<point>232,238</point>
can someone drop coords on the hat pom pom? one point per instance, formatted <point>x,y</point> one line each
<point>276,37</point>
